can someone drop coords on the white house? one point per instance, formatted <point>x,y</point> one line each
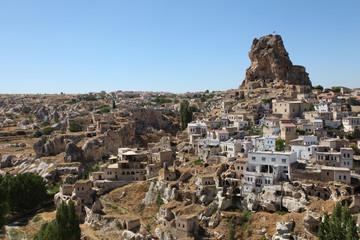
<point>241,124</point>
<point>269,143</point>
<point>222,135</point>
<point>322,107</point>
<point>197,128</point>
<point>303,151</point>
<point>350,123</point>
<point>236,147</point>
<point>267,168</point>
<point>271,126</point>
<point>318,123</point>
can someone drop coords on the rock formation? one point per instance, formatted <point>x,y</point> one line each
<point>271,65</point>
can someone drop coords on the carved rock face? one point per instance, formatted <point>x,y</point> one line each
<point>270,64</point>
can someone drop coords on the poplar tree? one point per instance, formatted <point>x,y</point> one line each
<point>340,226</point>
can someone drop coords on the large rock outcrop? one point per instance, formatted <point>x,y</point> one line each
<point>271,65</point>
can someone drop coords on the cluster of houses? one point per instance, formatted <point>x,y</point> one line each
<point>307,125</point>
<point>256,145</point>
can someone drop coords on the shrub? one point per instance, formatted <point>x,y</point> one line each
<point>104,109</point>
<point>48,130</point>
<point>159,201</point>
<point>280,145</point>
<point>37,133</point>
<point>26,110</point>
<point>319,87</point>
<point>74,126</point>
<point>148,227</point>
<point>45,124</point>
<point>36,219</point>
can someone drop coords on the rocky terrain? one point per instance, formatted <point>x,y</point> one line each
<point>264,161</point>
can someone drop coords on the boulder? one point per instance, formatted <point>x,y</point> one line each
<point>6,161</point>
<point>283,230</point>
<point>39,148</point>
<point>72,153</point>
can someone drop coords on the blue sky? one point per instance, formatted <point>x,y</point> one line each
<point>76,46</point>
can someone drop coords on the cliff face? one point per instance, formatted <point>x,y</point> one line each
<point>271,65</point>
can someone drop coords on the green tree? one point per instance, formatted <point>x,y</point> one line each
<point>340,226</point>
<point>4,210</point>
<point>74,126</point>
<point>51,232</point>
<point>312,108</point>
<point>23,191</point>
<point>319,87</point>
<point>64,227</point>
<point>48,130</point>
<point>37,133</point>
<point>113,104</point>
<point>73,222</point>
<point>300,131</point>
<point>336,89</point>
<point>279,145</point>
<point>185,114</point>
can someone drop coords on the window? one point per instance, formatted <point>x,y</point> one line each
<point>344,177</point>
<point>327,173</point>
<point>283,160</point>
<point>253,158</point>
<point>263,159</point>
<point>273,159</point>
<point>339,177</point>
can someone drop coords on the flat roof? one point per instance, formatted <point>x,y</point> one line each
<point>335,168</point>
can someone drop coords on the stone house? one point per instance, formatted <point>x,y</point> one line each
<point>169,174</point>
<point>329,98</point>
<point>163,156</point>
<point>318,123</point>
<point>186,226</point>
<point>129,222</point>
<point>235,148</point>
<point>290,109</point>
<point>197,128</point>
<point>309,128</point>
<point>241,124</point>
<point>350,123</point>
<point>288,131</point>
<point>226,106</point>
<point>344,158</point>
<point>163,144</point>
<point>337,174</point>
<point>240,167</point>
<point>311,115</point>
<point>222,135</point>
<point>165,214</point>
<point>83,191</point>
<point>224,121</point>
<point>208,147</point>
<point>333,143</point>
<point>271,126</point>
<point>205,180</point>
